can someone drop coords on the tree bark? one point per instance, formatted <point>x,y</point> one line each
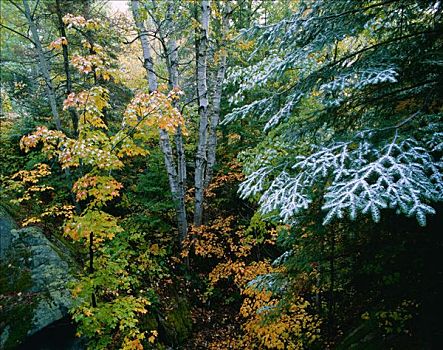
<point>214,120</point>
<point>45,71</point>
<point>44,66</point>
<point>176,179</point>
<point>202,92</point>
<point>72,111</point>
<point>172,63</point>
<point>143,36</point>
<point>214,110</point>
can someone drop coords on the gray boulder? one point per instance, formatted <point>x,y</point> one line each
<point>34,273</point>
<point>7,223</point>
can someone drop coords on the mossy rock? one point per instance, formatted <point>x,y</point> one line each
<point>17,303</point>
<point>7,223</point>
<point>16,321</point>
<point>175,324</point>
<point>33,284</point>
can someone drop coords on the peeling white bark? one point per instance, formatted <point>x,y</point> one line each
<point>177,181</point>
<point>216,100</point>
<point>143,36</point>
<point>202,92</point>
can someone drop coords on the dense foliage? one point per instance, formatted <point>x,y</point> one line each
<point>315,204</point>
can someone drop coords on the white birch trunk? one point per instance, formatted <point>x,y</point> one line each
<point>216,100</point>
<point>202,92</point>
<point>143,36</point>
<point>176,186</point>
<point>172,64</point>
<point>214,120</point>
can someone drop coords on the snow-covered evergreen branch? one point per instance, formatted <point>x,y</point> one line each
<point>362,178</point>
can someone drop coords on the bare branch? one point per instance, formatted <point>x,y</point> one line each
<point>18,33</point>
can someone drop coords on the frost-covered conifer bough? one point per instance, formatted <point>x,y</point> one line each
<point>354,110</point>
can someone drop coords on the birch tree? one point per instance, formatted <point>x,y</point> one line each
<point>167,32</point>
<point>172,64</point>
<point>214,108</point>
<point>209,92</point>
<point>176,174</point>
<point>202,93</point>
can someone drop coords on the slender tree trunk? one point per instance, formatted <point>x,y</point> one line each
<point>44,66</point>
<point>172,63</point>
<point>181,161</point>
<point>216,100</point>
<point>214,120</point>
<point>176,180</point>
<point>91,266</point>
<point>143,36</point>
<point>72,111</point>
<point>202,92</point>
<point>331,309</point>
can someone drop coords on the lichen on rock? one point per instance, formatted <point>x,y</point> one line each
<point>34,273</point>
